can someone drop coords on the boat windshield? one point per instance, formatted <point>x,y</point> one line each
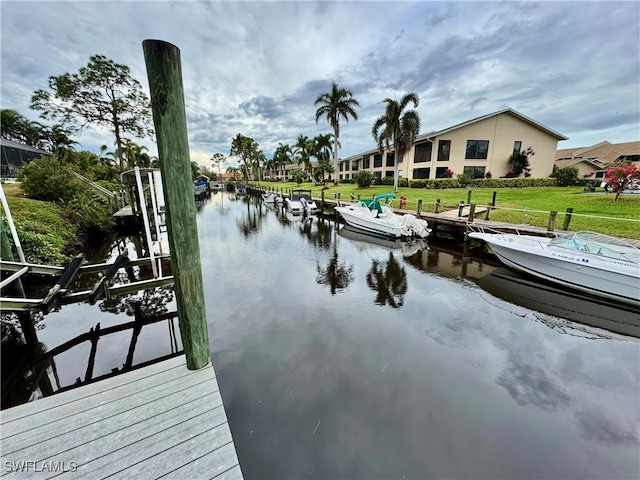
<point>598,244</point>
<point>298,195</point>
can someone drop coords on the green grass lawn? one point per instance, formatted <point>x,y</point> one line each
<point>591,211</point>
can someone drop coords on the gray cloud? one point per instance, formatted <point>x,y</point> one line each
<point>257,67</point>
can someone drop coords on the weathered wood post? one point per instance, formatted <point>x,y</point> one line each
<point>438,206</point>
<point>491,206</point>
<point>472,212</point>
<point>567,218</point>
<point>468,197</point>
<point>419,207</point>
<point>460,207</point>
<point>552,223</point>
<point>164,71</point>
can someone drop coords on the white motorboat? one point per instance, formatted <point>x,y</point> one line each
<point>375,217</point>
<point>271,197</point>
<point>299,202</point>
<point>591,262</point>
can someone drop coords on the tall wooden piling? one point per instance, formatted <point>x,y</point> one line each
<point>551,226</point>
<point>567,218</point>
<point>164,71</point>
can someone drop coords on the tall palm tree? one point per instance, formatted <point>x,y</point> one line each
<point>304,150</point>
<point>397,128</point>
<point>283,156</point>
<point>322,145</point>
<point>336,104</point>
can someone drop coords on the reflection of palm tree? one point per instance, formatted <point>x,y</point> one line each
<point>252,222</point>
<point>336,275</point>
<point>321,236</point>
<point>388,281</point>
<point>153,301</point>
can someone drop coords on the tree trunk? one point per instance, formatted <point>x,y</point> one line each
<point>119,147</point>
<point>335,154</point>
<point>396,147</point>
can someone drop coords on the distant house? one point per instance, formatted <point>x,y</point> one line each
<point>14,155</point>
<point>594,159</point>
<point>474,147</point>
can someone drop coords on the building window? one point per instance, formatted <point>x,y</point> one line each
<point>422,153</point>
<point>354,165</point>
<point>474,172</point>
<point>388,173</point>
<point>377,175</point>
<point>340,176</point>
<point>444,148</point>
<point>346,176</point>
<point>365,162</point>
<point>477,149</point>
<point>517,146</point>
<point>441,172</point>
<point>390,159</point>
<point>377,160</point>
<point>421,173</point>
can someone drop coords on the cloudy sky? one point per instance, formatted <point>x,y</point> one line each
<point>256,67</point>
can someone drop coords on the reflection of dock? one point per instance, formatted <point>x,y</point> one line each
<point>159,420</point>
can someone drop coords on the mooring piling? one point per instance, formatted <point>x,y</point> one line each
<point>164,71</point>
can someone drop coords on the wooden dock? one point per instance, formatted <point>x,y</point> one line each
<point>158,421</point>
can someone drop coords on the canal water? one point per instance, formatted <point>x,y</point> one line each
<point>341,356</point>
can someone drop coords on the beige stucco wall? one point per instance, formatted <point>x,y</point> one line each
<point>501,131</point>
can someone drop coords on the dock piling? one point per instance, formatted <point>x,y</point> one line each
<point>164,71</point>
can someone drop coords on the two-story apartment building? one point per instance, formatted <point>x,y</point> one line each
<point>475,147</point>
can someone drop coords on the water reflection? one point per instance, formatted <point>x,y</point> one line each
<point>336,275</point>
<point>389,281</point>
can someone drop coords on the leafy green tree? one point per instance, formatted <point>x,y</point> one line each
<point>298,175</point>
<point>48,180</point>
<point>323,167</point>
<point>217,160</point>
<point>334,105</point>
<point>14,126</point>
<point>195,170</point>
<point>397,128</point>
<point>60,141</point>
<point>519,161</point>
<point>102,94</point>
<point>245,148</point>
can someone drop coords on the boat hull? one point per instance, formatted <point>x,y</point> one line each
<point>580,271</point>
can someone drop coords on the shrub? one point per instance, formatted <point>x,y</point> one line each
<point>566,176</point>
<point>418,183</point>
<point>487,175</point>
<point>403,182</point>
<point>448,173</point>
<point>89,214</point>
<point>464,179</point>
<point>387,181</point>
<point>46,179</point>
<point>377,181</point>
<point>364,178</point>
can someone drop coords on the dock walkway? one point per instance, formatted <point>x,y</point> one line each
<point>158,421</point>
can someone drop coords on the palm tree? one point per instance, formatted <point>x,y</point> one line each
<point>397,128</point>
<point>337,103</point>
<point>283,156</point>
<point>218,159</point>
<point>60,141</point>
<point>304,150</point>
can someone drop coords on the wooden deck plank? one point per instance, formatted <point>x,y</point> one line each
<point>232,474</point>
<point>224,459</point>
<point>135,376</point>
<point>141,456</point>
<point>70,416</point>
<point>175,426</point>
<point>99,444</point>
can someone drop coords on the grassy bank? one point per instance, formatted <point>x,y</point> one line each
<point>45,231</point>
<point>591,211</point>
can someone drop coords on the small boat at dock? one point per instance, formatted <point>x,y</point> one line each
<point>591,262</point>
<point>375,217</point>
